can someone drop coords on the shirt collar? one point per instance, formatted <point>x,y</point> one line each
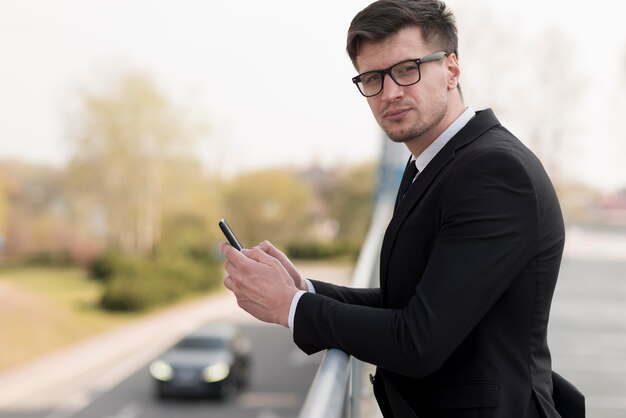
<point>429,153</point>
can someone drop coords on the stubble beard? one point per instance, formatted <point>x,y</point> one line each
<point>423,123</point>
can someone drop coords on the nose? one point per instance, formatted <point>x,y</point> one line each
<point>391,90</point>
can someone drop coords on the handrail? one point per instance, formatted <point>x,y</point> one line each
<point>328,392</point>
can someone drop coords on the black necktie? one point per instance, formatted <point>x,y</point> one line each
<point>407,179</point>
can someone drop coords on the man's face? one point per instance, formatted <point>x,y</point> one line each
<point>415,115</point>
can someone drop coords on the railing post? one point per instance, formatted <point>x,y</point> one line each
<point>355,388</point>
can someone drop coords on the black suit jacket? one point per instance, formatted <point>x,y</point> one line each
<point>468,267</point>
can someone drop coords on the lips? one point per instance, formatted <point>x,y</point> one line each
<point>395,114</point>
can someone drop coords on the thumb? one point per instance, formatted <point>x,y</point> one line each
<point>259,256</point>
<point>269,248</point>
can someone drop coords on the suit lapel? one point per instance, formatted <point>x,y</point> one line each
<point>482,122</point>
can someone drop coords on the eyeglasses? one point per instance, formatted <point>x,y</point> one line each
<point>405,73</point>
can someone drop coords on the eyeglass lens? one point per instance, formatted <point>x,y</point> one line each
<point>404,73</point>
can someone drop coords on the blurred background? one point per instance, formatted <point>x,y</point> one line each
<point>127,129</point>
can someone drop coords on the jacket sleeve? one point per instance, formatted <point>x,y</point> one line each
<point>486,236</point>
<point>367,297</point>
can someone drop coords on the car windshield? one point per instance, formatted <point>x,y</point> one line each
<point>201,343</point>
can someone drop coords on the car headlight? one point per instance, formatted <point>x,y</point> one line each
<point>161,370</point>
<point>215,372</point>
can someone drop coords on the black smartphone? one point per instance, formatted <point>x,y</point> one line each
<point>230,235</point>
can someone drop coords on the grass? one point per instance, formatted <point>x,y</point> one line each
<point>45,309</point>
<point>42,310</point>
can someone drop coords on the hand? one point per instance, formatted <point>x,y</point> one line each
<point>261,284</point>
<point>268,248</point>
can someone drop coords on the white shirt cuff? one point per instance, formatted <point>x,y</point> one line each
<point>309,284</point>
<point>295,300</point>
<point>292,309</point>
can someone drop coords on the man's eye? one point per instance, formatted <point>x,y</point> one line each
<point>370,79</point>
<point>406,68</point>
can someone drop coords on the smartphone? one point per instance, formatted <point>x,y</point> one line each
<point>230,235</point>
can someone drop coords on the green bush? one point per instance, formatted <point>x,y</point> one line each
<point>129,294</point>
<point>106,265</point>
<point>322,250</point>
<point>46,260</point>
<point>140,284</point>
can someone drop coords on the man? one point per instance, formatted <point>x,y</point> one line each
<point>469,261</point>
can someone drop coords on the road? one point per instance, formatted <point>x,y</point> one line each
<point>107,376</point>
<point>280,377</point>
<point>587,332</point>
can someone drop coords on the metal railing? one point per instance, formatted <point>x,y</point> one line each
<point>335,391</point>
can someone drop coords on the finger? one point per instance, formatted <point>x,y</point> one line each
<point>272,251</point>
<point>228,283</point>
<point>230,267</point>
<point>260,256</point>
<point>234,256</point>
<point>269,248</point>
<point>223,245</point>
<point>278,254</point>
<point>227,249</point>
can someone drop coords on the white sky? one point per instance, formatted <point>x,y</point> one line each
<point>271,78</point>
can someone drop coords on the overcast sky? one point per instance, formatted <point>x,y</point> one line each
<point>271,78</point>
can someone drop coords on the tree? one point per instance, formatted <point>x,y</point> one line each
<point>534,84</point>
<point>554,109</point>
<point>269,204</point>
<point>619,95</point>
<point>133,152</point>
<point>33,212</point>
<point>4,215</point>
<point>351,202</point>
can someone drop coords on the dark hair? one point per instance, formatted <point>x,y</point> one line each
<point>386,17</point>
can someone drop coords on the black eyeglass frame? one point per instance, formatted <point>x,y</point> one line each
<point>436,56</point>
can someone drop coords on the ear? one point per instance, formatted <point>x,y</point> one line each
<point>454,71</point>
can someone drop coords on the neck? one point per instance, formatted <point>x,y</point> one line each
<point>417,145</point>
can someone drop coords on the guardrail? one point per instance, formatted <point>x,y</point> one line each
<point>335,391</point>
